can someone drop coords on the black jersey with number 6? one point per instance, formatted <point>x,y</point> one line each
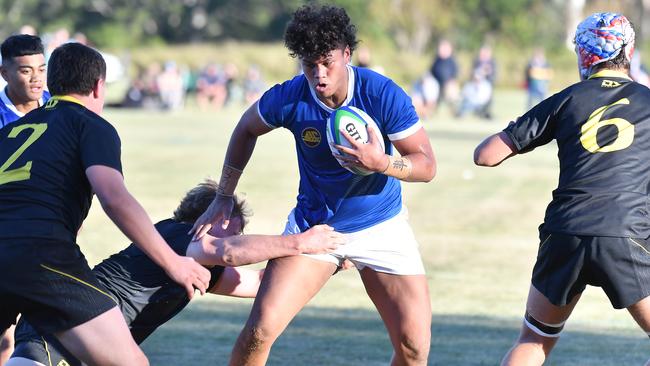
<point>602,129</point>
<point>44,191</point>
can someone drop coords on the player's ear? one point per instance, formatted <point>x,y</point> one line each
<point>98,88</point>
<point>3,72</point>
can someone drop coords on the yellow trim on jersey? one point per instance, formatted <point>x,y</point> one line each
<point>67,98</point>
<point>47,351</point>
<point>609,74</point>
<point>80,281</point>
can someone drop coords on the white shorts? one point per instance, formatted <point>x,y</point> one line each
<point>388,247</point>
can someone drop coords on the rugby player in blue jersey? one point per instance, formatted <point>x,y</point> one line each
<point>23,68</point>
<point>596,229</point>
<point>368,209</point>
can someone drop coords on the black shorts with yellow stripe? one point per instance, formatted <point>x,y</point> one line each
<point>46,350</point>
<point>567,263</point>
<point>50,284</point>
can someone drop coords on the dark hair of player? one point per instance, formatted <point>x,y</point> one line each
<point>315,31</point>
<point>620,62</point>
<point>20,45</point>
<point>197,200</point>
<point>74,69</point>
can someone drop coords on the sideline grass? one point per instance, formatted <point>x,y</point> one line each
<point>476,227</point>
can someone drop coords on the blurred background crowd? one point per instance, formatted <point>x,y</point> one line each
<point>446,55</point>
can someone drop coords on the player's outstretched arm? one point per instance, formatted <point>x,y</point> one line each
<point>130,217</point>
<point>239,250</point>
<point>240,149</point>
<point>494,150</point>
<point>238,282</point>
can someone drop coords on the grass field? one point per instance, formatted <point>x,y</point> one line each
<point>477,228</point>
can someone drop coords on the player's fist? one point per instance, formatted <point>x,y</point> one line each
<point>319,239</point>
<point>189,274</point>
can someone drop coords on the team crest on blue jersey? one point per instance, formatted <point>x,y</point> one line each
<point>310,136</point>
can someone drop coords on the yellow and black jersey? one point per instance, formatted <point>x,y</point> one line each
<point>146,295</point>
<point>44,191</point>
<point>602,129</point>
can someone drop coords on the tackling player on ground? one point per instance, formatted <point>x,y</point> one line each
<point>148,297</point>
<point>596,229</point>
<point>51,163</point>
<point>368,209</point>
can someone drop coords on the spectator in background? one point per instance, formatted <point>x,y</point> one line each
<point>445,71</point>
<point>233,86</point>
<point>364,58</point>
<point>425,95</point>
<point>254,86</point>
<point>638,71</point>
<point>486,65</point>
<point>171,87</point>
<point>211,88</point>
<point>475,96</point>
<point>54,40</point>
<point>538,76</point>
<point>28,29</point>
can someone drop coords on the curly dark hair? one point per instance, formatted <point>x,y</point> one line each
<point>314,31</point>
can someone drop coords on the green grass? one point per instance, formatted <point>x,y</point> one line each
<point>477,228</point>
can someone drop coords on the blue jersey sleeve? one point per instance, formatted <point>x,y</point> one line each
<point>277,105</point>
<point>398,113</point>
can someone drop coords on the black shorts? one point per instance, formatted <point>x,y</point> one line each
<point>567,263</point>
<point>50,284</point>
<point>46,350</point>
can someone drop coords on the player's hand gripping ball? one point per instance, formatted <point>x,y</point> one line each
<point>351,121</point>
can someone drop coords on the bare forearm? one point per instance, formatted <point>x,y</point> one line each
<point>417,163</point>
<point>247,249</point>
<point>416,167</point>
<point>240,149</point>
<point>494,150</point>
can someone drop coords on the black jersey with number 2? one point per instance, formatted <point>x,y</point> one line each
<point>602,129</point>
<point>44,191</point>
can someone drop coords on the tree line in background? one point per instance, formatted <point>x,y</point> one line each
<point>409,25</point>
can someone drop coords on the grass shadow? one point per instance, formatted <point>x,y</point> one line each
<point>206,332</point>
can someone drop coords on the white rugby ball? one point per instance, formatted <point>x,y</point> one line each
<point>351,121</point>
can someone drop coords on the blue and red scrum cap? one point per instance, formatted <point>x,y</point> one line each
<point>600,38</point>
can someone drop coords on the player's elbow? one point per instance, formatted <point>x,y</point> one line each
<point>481,159</point>
<point>430,172</point>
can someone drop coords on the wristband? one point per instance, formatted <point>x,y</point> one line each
<point>229,179</point>
<point>398,167</point>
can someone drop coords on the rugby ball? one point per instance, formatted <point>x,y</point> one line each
<point>351,121</point>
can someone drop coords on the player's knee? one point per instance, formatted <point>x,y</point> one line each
<point>256,338</point>
<point>6,343</point>
<point>415,349</point>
